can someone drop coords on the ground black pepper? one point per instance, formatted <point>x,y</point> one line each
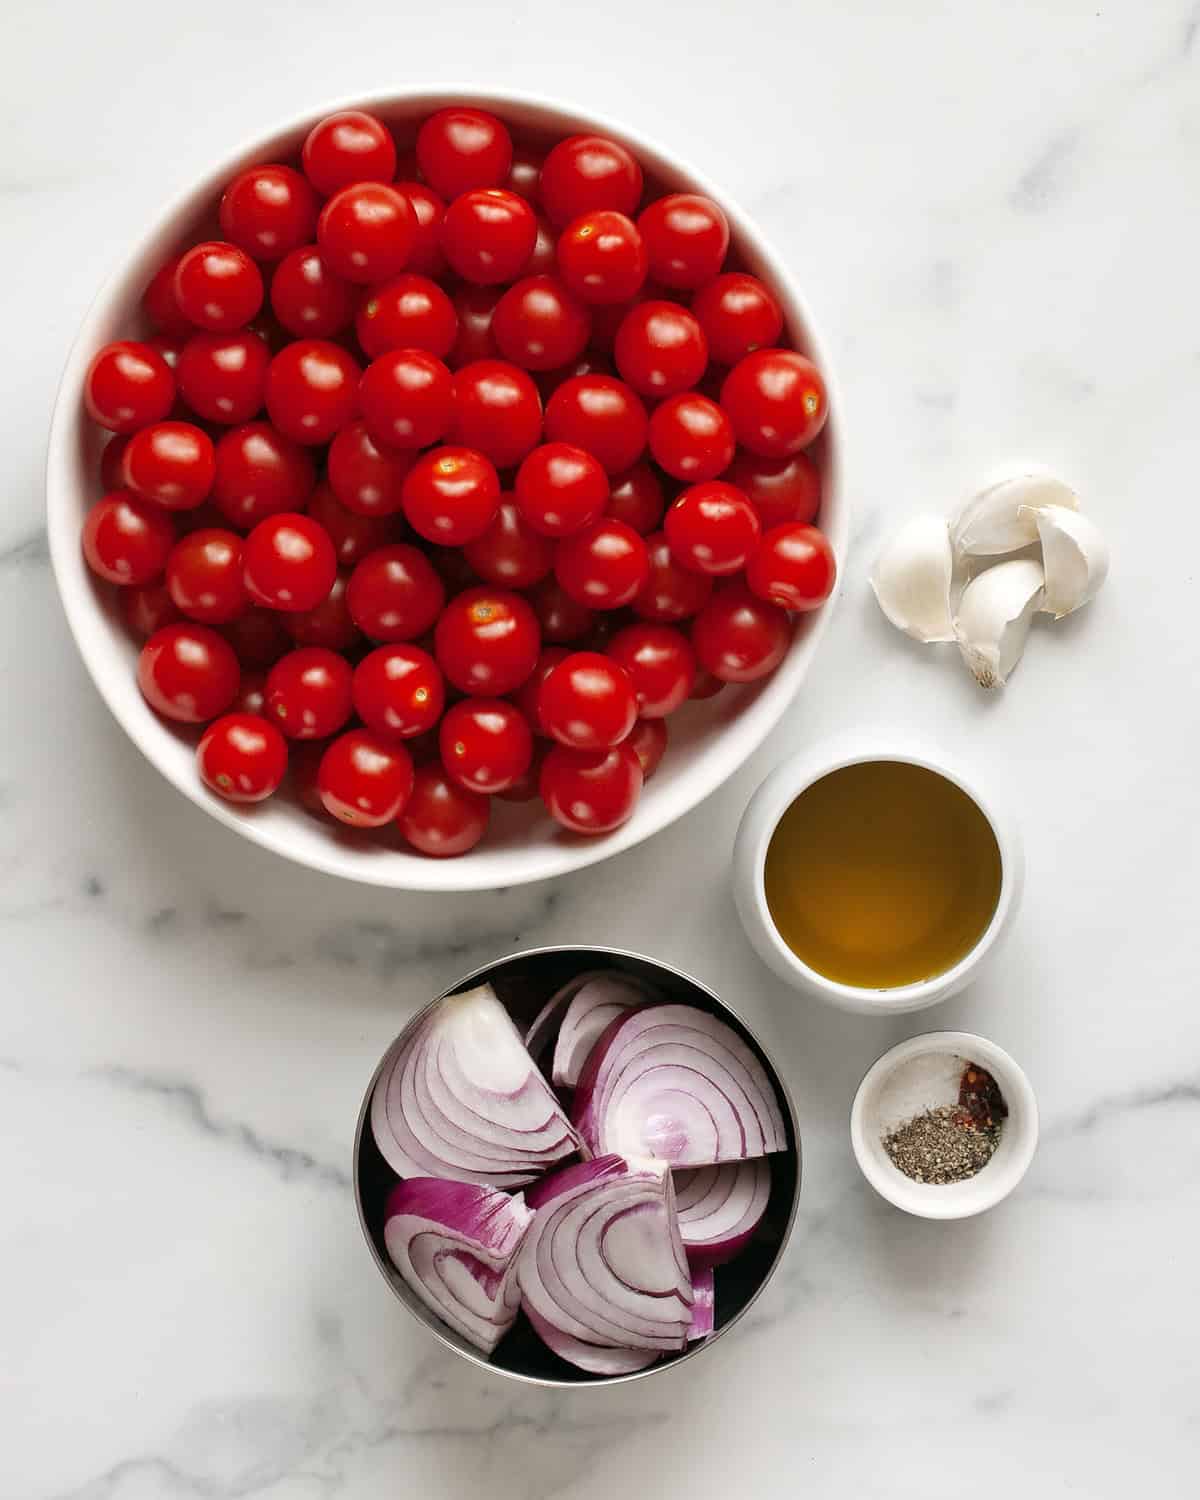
<point>951,1142</point>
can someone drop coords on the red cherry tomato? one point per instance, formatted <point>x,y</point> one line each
<point>366,478</point>
<point>309,693</point>
<point>366,232</point>
<point>510,554</point>
<point>525,788</point>
<point>171,463</point>
<point>539,325</point>
<point>794,567</point>
<point>591,791</point>
<point>364,780</point>
<point>587,701</point>
<point>394,594</point>
<point>159,304</point>
<point>543,259</point>
<point>601,257</point>
<point>607,318</point>
<point>353,534</point>
<point>351,146</point>
<point>267,211</point>
<point>399,691</point>
<point>660,664</point>
<point>671,592</point>
<point>687,238</point>
<point>525,172</point>
<point>602,415</point>
<point>188,673</point>
<point>780,489</point>
<point>126,539</point>
<point>409,312</point>
<point>739,637</point>
<point>223,376</point>
<point>459,149</point>
<point>257,637</point>
<point>451,496</point>
<point>690,437</point>
<point>648,741</point>
<point>660,348</point>
<point>425,258</point>
<point>147,607</point>
<point>312,390</point>
<point>204,575</point>
<point>528,696</point>
<point>407,398</point>
<point>487,641</point>
<point>289,562</point>
<point>442,818</point>
<point>738,315</point>
<point>486,744</point>
<point>590,362</point>
<point>560,489</point>
<point>112,463</point>
<point>169,345</point>
<point>327,624</point>
<point>259,473</point>
<point>712,528</point>
<point>127,386</point>
<point>217,286</point>
<point>636,497</point>
<point>251,694</point>
<point>560,617</point>
<point>497,410</point>
<point>474,307</point>
<point>488,235</point>
<point>309,298</point>
<point>589,172</point>
<point>776,400</point>
<point>604,565</point>
<point>242,758</point>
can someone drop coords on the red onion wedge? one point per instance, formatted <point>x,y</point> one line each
<point>603,1265</point>
<point>460,1097</point>
<point>545,1023</point>
<point>720,1208</point>
<point>594,1005</point>
<point>704,1306</point>
<point>456,1246</point>
<point>674,1083</point>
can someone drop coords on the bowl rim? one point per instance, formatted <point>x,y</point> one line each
<point>434,1326</point>
<point>549,858</point>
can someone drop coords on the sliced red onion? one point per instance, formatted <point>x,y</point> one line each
<point>594,1005</point>
<point>542,1028</point>
<point>720,1208</point>
<point>456,1246</point>
<point>460,1097</point>
<point>704,1306</point>
<point>674,1083</point>
<point>598,1359</point>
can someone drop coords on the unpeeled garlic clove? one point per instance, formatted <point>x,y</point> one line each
<point>1074,556</point>
<point>997,520</point>
<point>911,579</point>
<point>994,616</point>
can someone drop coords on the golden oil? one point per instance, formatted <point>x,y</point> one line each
<point>882,874</point>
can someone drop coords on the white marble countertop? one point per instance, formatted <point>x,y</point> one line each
<point>994,211</point>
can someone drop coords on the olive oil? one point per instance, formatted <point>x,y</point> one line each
<point>882,874</point>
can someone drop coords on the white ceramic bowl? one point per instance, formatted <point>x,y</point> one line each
<point>708,740</point>
<point>760,820</point>
<point>891,1093</point>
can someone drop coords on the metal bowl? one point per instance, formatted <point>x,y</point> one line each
<point>524,981</point>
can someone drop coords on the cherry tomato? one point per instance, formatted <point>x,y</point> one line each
<point>442,818</point>
<point>591,791</point>
<point>525,172</point>
<point>497,411</point>
<point>409,312</point>
<point>204,575</point>
<point>267,211</point>
<point>242,758</point>
<point>780,489</point>
<point>560,489</point>
<point>528,696</point>
<point>159,304</point>
<point>671,592</point>
<point>171,463</point>
<point>217,286</point>
<point>712,528</point>
<point>601,257</point>
<point>327,624</point>
<point>394,594</point>
<point>587,701</point>
<point>794,567</point>
<point>289,562</point>
<point>474,307</point>
<point>309,298</point>
<point>690,437</point>
<point>257,637</point>
<point>259,473</point>
<point>353,534</point>
<point>251,694</point>
<point>604,565</point>
<point>223,376</point>
<point>589,172</point>
<point>543,258</point>
<point>312,390</point>
<point>739,637</point>
<point>351,146</point>
<point>776,400</point>
<point>170,346</point>
<point>364,780</point>
<point>525,788</point>
<point>407,398</point>
<point>486,744</point>
<point>686,237</point>
<point>510,553</point>
<point>147,607</point>
<point>636,497</point>
<point>602,415</point>
<point>126,539</point>
<point>660,348</point>
<point>425,258</point>
<point>112,463</point>
<point>738,314</point>
<point>367,480</point>
<point>648,741</point>
<point>366,232</point>
<point>561,618</point>
<point>399,691</point>
<point>459,149</point>
<point>188,673</point>
<point>590,362</point>
<point>127,386</point>
<point>608,317</point>
<point>309,693</point>
<point>539,325</point>
<point>488,235</point>
<point>451,495</point>
<point>660,663</point>
<point>487,641</point>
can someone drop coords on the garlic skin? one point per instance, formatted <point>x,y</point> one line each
<point>1000,519</point>
<point>1074,556</point>
<point>994,615</point>
<point>911,579</point>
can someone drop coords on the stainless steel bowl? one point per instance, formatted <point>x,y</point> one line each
<point>524,981</point>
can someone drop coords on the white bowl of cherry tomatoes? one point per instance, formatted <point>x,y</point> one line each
<point>432,491</point>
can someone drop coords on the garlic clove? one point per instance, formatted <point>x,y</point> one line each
<point>1074,556</point>
<point>994,615</point>
<point>911,579</point>
<point>997,520</point>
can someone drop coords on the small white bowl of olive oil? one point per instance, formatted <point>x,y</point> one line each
<point>877,877</point>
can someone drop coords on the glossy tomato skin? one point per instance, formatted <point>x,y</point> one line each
<point>251,694</point>
<point>289,562</point>
<point>671,593</point>
<point>367,477</point>
<point>242,757</point>
<point>112,463</point>
<point>312,390</point>
<point>126,539</point>
<point>780,489</point>
<point>328,624</point>
<point>712,528</point>
<point>408,312</point>
<point>308,693</point>
<point>560,489</point>
<point>587,701</point>
<point>539,324</point>
<point>487,641</point>
<point>353,534</point>
<point>204,575</point>
<point>159,304</point>
<point>660,664</point>
<point>691,437</point>
<point>601,414</point>
<point>366,232</point>
<point>776,400</point>
<point>739,637</point>
<point>525,172</point>
<point>451,495</point>
<point>602,257</point>
<point>223,376</point>
<point>147,607</point>
<point>488,235</point>
<point>217,286</point>
<point>793,567</point>
<point>497,410</point>
<point>257,637</point>
<point>648,741</point>
<point>738,314</point>
<point>350,146</point>
<point>443,819</point>
<point>268,210</point>
<point>591,791</point>
<point>407,398</point>
<point>399,691</point>
<point>309,298</point>
<point>128,385</point>
<point>528,696</point>
<point>364,780</point>
<point>486,744</point>
<point>585,173</point>
<point>188,673</point>
<point>604,565</point>
<point>543,258</point>
<point>474,307</point>
<point>510,554</point>
<point>395,594</point>
<point>561,618</point>
<point>660,348</point>
<point>687,239</point>
<point>260,473</point>
<point>459,149</point>
<point>429,209</point>
<point>171,463</point>
<point>636,497</point>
